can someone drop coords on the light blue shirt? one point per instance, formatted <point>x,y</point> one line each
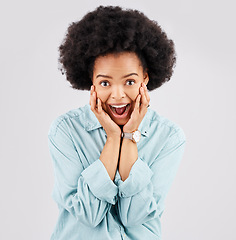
<point>92,206</point>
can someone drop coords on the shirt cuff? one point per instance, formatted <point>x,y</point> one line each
<point>100,183</point>
<point>139,177</point>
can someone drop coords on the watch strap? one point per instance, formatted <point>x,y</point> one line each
<point>127,135</point>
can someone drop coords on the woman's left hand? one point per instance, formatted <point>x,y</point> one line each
<point>139,110</point>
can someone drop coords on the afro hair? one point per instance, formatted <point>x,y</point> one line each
<point>112,29</point>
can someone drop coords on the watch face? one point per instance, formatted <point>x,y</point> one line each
<point>136,136</point>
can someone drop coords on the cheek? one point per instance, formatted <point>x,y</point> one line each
<point>99,92</point>
<point>104,97</point>
<point>134,94</point>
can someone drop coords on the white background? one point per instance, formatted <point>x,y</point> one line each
<point>200,97</point>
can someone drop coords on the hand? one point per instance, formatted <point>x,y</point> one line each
<point>139,110</point>
<point>111,128</point>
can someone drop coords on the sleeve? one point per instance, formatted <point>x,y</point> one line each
<point>88,193</point>
<point>142,194</point>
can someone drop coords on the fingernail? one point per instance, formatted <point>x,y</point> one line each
<point>91,87</point>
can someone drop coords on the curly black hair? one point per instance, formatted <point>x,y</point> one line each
<point>112,29</point>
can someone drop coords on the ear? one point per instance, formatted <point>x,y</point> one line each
<point>145,78</point>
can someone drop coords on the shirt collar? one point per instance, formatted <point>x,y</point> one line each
<point>92,123</point>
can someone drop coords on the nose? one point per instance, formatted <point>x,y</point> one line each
<point>117,93</point>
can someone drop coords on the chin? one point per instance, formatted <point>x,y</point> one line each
<point>120,122</point>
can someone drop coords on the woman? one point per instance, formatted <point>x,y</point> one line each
<point>114,159</point>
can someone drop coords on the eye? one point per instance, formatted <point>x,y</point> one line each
<point>131,81</point>
<point>101,83</point>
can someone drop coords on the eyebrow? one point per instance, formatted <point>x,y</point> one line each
<point>106,76</point>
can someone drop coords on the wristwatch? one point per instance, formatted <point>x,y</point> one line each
<point>134,136</point>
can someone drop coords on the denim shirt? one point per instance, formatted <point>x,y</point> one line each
<point>91,205</point>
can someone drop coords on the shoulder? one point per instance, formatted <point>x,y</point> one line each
<point>164,125</point>
<point>63,120</point>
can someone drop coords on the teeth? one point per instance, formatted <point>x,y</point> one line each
<point>120,106</point>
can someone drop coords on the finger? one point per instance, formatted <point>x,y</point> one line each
<point>137,103</point>
<point>143,108</point>
<point>144,100</point>
<point>93,101</point>
<point>99,106</point>
<point>91,93</point>
<point>146,92</point>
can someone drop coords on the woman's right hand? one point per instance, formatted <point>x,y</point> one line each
<point>111,128</point>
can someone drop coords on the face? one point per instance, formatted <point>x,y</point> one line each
<point>117,79</point>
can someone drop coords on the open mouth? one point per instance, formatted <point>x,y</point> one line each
<point>120,111</point>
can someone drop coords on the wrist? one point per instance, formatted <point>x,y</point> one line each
<point>128,141</point>
<point>134,136</point>
<point>114,137</point>
<point>128,130</point>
